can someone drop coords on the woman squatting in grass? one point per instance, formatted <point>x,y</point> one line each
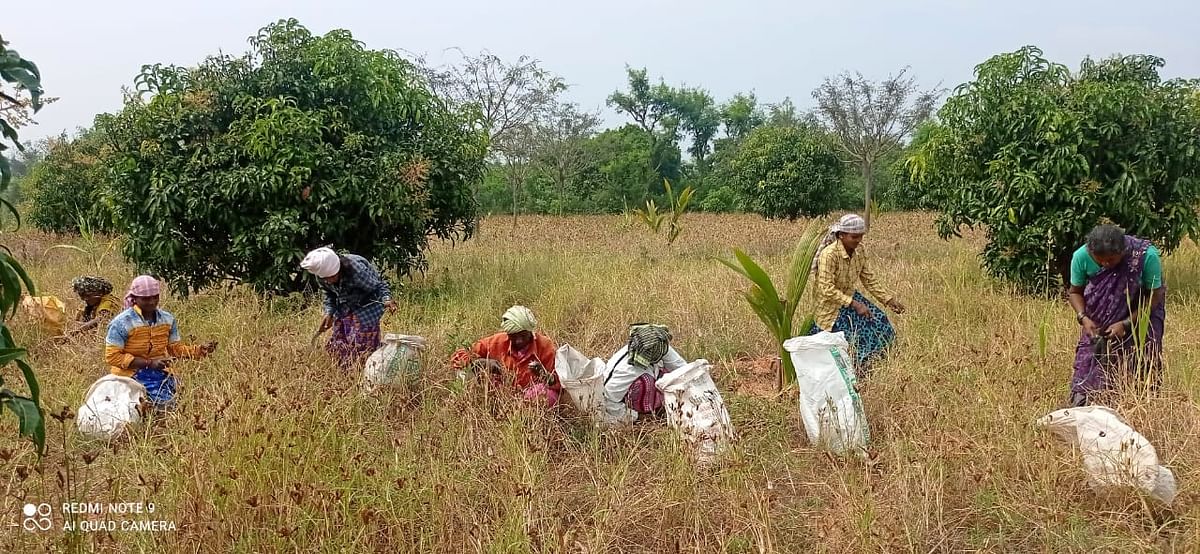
<point>518,356</point>
<point>631,372</point>
<point>143,339</point>
<point>1115,279</point>
<point>841,262</point>
<point>99,305</point>
<point>355,297</point>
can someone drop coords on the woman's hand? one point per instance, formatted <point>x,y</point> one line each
<point>1089,327</point>
<point>160,364</point>
<point>896,306</point>
<point>208,348</point>
<point>390,305</point>
<point>861,308</point>
<point>326,323</point>
<point>1117,330</point>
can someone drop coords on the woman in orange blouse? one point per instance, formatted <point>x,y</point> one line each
<point>517,355</point>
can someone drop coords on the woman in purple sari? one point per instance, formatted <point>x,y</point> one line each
<point>1114,278</point>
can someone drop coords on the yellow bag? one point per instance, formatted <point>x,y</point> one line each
<point>48,311</point>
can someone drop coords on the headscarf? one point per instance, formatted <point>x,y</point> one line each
<point>849,223</point>
<point>144,285</point>
<point>91,286</point>
<point>648,343</point>
<point>322,262</point>
<point>517,319</point>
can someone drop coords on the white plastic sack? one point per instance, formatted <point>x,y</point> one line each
<point>582,379</point>
<point>111,406</point>
<point>830,407</point>
<point>396,363</point>
<point>695,408</point>
<point>1114,455</point>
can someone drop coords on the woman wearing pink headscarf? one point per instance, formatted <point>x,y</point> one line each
<point>143,339</point>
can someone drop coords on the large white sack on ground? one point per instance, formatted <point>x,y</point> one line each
<point>1114,455</point>
<point>695,408</point>
<point>830,407</point>
<point>582,379</point>
<point>396,363</point>
<point>110,407</point>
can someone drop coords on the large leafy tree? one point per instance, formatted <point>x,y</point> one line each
<point>231,169</point>
<point>870,120</point>
<point>25,77</point>
<point>67,184</point>
<point>785,172</point>
<point>1037,156</point>
<point>657,110</point>
<point>621,167</point>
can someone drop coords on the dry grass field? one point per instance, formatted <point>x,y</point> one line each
<point>272,450</point>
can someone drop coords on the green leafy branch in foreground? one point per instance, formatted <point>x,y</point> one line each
<point>13,278</point>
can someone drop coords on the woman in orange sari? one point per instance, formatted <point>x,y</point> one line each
<point>517,356</point>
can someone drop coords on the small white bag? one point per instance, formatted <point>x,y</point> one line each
<point>1114,455</point>
<point>396,363</point>
<point>695,408</point>
<point>829,405</point>
<point>112,405</point>
<point>582,379</point>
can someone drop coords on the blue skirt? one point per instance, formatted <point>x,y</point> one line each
<point>160,387</point>
<point>868,338</point>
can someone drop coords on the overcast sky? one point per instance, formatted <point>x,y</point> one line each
<point>88,50</point>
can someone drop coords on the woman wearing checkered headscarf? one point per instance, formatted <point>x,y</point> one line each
<point>840,264</point>
<point>99,304</point>
<point>632,371</point>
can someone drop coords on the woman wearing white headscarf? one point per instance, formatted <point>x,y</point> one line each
<point>840,264</point>
<point>355,298</point>
<point>517,355</point>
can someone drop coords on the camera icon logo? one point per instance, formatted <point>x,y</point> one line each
<point>37,517</point>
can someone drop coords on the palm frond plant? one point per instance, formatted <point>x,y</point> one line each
<point>778,312</point>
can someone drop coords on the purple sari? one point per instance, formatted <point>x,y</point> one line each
<point>1107,298</point>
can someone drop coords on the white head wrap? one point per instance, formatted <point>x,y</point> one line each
<point>517,319</point>
<point>849,223</point>
<point>322,262</point>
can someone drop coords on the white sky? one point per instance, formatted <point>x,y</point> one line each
<point>88,50</point>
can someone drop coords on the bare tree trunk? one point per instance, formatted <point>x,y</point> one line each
<point>868,180</point>
<point>514,189</point>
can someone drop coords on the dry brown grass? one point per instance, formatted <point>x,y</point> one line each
<point>273,450</point>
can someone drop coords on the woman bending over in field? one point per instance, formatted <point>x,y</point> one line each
<point>631,372</point>
<point>99,305</point>
<point>517,355</point>
<point>142,341</point>
<point>355,297</point>
<point>841,262</point>
<point>1116,279</point>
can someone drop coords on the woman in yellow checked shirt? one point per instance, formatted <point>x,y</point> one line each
<point>841,262</point>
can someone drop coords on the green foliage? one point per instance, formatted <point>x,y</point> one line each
<point>67,185</point>
<point>233,168</point>
<point>1039,156</point>
<point>740,115</point>
<point>622,169</point>
<point>721,200</point>
<point>654,220</point>
<point>777,312</point>
<point>785,172</point>
<point>13,279</point>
